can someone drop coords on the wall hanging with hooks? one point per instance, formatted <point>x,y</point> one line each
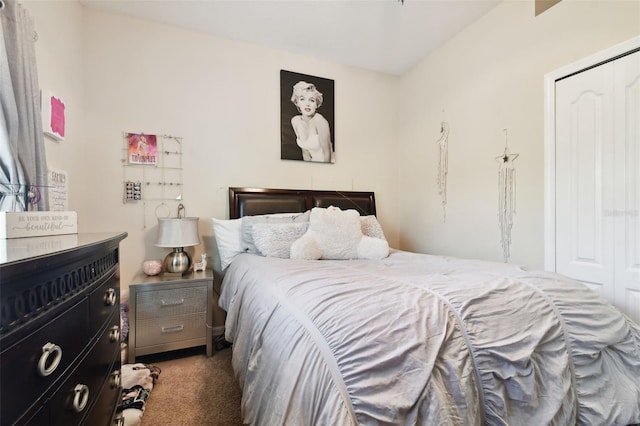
<point>152,173</point>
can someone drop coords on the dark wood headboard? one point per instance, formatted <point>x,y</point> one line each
<point>252,201</point>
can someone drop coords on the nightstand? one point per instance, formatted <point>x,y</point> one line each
<point>168,312</point>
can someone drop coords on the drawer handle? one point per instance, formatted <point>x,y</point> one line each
<point>173,329</point>
<point>114,334</point>
<point>49,350</point>
<point>80,397</point>
<point>110,297</point>
<point>119,420</point>
<point>115,379</point>
<point>172,302</point>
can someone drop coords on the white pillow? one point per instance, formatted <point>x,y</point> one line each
<point>227,233</point>
<point>371,227</point>
<point>246,232</point>
<point>337,234</point>
<point>275,239</point>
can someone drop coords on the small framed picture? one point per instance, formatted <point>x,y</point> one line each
<point>306,118</point>
<point>142,149</point>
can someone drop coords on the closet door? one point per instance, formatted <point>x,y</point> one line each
<point>597,186</point>
<point>627,194</point>
<point>584,178</point>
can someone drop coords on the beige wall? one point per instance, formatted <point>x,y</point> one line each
<point>488,78</point>
<point>61,69</point>
<point>119,74</point>
<point>222,98</point>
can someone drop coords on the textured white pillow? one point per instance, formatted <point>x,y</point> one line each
<point>227,233</point>
<point>337,234</point>
<point>275,239</point>
<point>371,227</point>
<point>246,231</point>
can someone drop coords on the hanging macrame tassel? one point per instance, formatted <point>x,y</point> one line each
<point>506,206</point>
<point>443,166</point>
<point>506,198</point>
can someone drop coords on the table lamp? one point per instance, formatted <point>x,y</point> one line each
<point>178,233</point>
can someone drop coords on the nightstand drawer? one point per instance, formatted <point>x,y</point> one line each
<point>157,331</point>
<point>173,302</point>
<point>168,312</point>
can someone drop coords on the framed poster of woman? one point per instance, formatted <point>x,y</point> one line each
<point>306,118</point>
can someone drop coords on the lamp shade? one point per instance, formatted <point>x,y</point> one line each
<point>178,232</point>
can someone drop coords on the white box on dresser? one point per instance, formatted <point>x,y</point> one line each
<point>169,312</point>
<point>37,224</point>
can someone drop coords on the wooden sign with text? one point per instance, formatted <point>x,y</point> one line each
<point>37,224</point>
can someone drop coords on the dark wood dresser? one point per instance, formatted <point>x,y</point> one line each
<point>60,329</point>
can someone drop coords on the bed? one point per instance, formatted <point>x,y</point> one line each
<point>416,339</point>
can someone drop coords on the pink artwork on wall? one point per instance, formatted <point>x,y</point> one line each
<point>57,116</point>
<point>142,149</point>
<point>53,115</point>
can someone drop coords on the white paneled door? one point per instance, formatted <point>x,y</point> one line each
<point>626,210</point>
<point>597,179</point>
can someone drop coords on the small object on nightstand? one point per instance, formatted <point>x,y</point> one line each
<point>152,267</point>
<point>201,266</point>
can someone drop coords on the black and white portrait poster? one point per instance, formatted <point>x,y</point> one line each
<point>307,118</point>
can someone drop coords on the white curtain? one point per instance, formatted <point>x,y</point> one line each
<point>23,171</point>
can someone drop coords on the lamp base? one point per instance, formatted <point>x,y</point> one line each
<point>177,262</point>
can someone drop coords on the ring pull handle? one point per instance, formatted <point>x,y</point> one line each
<point>110,297</point>
<point>80,397</point>
<point>115,379</point>
<point>45,365</point>
<point>114,334</point>
<point>119,420</point>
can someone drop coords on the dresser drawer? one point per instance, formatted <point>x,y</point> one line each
<point>103,302</point>
<point>107,401</point>
<point>171,302</point>
<point>157,331</point>
<point>106,349</point>
<point>82,388</point>
<point>25,365</point>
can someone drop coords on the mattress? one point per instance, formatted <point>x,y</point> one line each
<point>420,339</point>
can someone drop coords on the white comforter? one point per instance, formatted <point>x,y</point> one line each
<point>418,339</point>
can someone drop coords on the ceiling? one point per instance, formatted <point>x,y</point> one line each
<point>380,35</point>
